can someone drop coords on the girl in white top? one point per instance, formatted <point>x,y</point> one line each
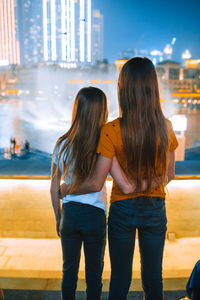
<point>82,218</point>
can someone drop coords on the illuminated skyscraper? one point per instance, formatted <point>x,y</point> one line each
<point>9,45</point>
<point>67,31</point>
<point>55,31</point>
<point>97,36</point>
<point>30,27</point>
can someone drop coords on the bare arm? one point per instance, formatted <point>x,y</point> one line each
<point>120,177</point>
<point>54,191</point>
<point>104,165</point>
<point>127,186</point>
<point>93,184</point>
<point>171,166</point>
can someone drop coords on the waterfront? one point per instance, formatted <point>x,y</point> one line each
<point>41,124</point>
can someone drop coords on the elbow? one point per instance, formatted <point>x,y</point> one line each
<point>54,189</point>
<point>127,190</point>
<point>171,176</point>
<point>51,190</point>
<point>96,187</point>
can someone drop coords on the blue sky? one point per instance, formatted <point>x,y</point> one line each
<point>150,25</point>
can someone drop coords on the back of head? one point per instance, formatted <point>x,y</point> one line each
<point>143,125</point>
<point>138,88</point>
<point>89,115</point>
<point>90,109</point>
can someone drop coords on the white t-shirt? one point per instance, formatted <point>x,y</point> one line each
<point>97,199</point>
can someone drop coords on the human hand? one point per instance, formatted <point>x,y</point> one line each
<point>58,227</point>
<point>63,190</point>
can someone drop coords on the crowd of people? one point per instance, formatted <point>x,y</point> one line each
<point>18,148</point>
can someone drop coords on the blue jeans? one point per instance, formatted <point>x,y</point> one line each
<point>148,215</point>
<point>82,223</point>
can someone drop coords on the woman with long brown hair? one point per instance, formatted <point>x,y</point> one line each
<point>143,141</point>
<point>82,218</point>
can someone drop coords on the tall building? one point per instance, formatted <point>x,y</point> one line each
<point>30,30</point>
<point>97,36</point>
<point>57,31</point>
<point>67,31</point>
<point>9,44</point>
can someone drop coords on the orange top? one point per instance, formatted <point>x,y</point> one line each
<point>110,145</point>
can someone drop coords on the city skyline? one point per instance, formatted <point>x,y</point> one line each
<point>150,25</point>
<point>44,34</point>
<point>59,31</point>
<point>9,44</point>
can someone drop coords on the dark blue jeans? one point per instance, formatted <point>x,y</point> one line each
<point>82,223</point>
<point>148,215</point>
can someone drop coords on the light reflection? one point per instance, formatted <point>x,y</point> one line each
<point>35,183</point>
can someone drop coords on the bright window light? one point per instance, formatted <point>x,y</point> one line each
<point>179,122</point>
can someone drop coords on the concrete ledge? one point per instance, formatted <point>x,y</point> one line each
<point>36,264</point>
<point>46,283</point>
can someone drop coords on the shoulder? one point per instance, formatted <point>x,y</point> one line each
<point>173,143</point>
<point>58,146</point>
<point>112,126</point>
<point>169,124</point>
<point>169,127</point>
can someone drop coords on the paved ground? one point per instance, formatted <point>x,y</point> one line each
<point>55,295</point>
<point>37,264</point>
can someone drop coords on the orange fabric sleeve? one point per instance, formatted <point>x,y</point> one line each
<point>105,145</point>
<point>173,143</point>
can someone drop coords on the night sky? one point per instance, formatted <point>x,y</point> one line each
<point>150,25</point>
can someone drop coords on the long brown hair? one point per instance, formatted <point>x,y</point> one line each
<point>89,114</point>
<point>143,125</point>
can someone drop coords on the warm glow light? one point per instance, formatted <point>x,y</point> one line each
<point>192,63</point>
<point>45,183</point>
<point>10,183</point>
<point>119,63</point>
<point>191,95</point>
<point>179,122</point>
<point>94,81</point>
<point>188,184</point>
<point>107,81</point>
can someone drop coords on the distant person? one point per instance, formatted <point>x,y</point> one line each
<point>26,145</point>
<point>143,141</point>
<point>82,218</point>
<point>12,145</point>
